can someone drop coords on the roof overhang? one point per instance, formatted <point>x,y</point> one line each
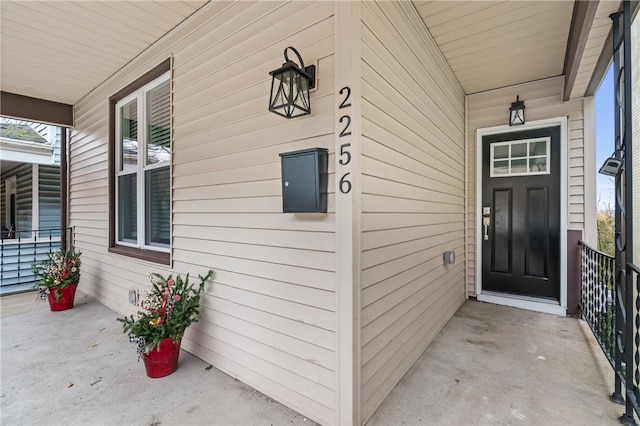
<point>25,152</point>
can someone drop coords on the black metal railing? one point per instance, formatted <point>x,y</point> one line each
<point>20,249</point>
<point>597,299</point>
<point>633,271</point>
<point>603,302</point>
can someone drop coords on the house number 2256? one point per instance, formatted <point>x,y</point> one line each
<point>345,153</point>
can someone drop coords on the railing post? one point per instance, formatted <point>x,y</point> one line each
<point>19,253</point>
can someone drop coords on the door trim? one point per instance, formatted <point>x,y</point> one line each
<point>524,302</point>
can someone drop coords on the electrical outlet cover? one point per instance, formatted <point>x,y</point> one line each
<point>133,297</point>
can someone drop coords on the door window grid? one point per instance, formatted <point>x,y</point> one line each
<point>520,158</point>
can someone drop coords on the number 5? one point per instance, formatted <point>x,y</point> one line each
<point>345,151</point>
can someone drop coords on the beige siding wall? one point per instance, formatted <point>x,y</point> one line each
<point>269,317</point>
<point>412,195</point>
<point>543,99</point>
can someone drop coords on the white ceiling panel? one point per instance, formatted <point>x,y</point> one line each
<point>61,50</point>
<point>491,44</point>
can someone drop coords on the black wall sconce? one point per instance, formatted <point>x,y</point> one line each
<point>516,112</point>
<point>290,87</point>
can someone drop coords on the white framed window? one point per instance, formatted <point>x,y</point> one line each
<point>143,167</point>
<point>521,158</point>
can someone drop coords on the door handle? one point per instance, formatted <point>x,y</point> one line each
<point>485,224</point>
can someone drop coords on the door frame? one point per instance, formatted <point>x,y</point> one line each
<point>525,302</point>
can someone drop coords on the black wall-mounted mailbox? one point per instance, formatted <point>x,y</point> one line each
<point>304,181</point>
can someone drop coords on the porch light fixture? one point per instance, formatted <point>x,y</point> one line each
<point>516,112</point>
<point>290,87</point>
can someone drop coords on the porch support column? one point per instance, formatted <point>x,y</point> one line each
<point>63,188</point>
<point>627,146</point>
<point>35,198</point>
<point>626,315</point>
<point>347,211</point>
<point>617,395</point>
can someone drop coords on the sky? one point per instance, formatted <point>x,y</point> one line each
<point>605,144</point>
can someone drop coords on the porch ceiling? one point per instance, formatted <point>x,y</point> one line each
<point>60,51</point>
<point>491,44</point>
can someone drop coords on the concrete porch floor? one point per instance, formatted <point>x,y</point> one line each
<point>497,365</point>
<point>490,365</point>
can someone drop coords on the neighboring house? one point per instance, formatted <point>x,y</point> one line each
<point>29,197</point>
<point>433,198</point>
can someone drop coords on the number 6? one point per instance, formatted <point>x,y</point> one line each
<point>345,182</point>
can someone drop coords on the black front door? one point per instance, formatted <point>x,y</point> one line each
<point>521,213</point>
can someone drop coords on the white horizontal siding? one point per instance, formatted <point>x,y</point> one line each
<point>543,99</point>
<point>3,203</point>
<point>24,197</point>
<point>268,318</point>
<point>49,197</point>
<point>412,195</point>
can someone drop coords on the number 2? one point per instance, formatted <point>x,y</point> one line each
<point>345,131</point>
<point>345,103</point>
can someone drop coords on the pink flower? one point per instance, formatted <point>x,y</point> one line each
<point>177,297</point>
<point>171,282</point>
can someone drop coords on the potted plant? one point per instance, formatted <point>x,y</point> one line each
<point>169,307</point>
<point>57,278</point>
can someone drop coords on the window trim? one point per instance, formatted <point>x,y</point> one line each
<point>135,252</point>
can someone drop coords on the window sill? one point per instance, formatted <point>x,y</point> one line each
<point>148,255</point>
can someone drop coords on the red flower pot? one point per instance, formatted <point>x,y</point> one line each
<point>67,295</point>
<point>164,362</point>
